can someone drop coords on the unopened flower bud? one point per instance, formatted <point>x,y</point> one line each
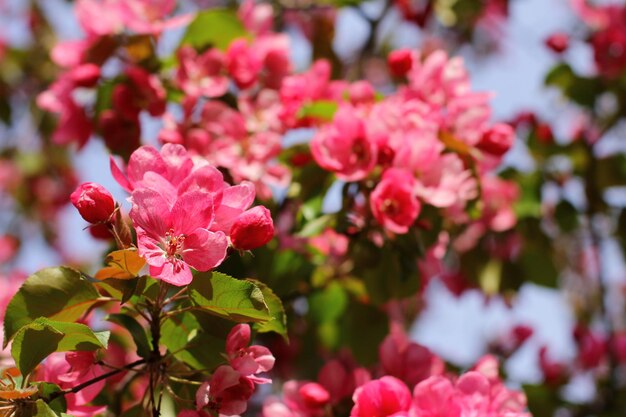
<point>497,140</point>
<point>400,62</point>
<point>86,75</point>
<point>558,42</point>
<point>94,203</point>
<point>253,228</point>
<point>314,395</point>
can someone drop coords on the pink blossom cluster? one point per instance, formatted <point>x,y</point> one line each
<point>102,21</point>
<point>404,366</point>
<point>245,140</point>
<point>185,215</point>
<point>608,38</point>
<point>477,392</point>
<point>431,142</point>
<point>230,387</point>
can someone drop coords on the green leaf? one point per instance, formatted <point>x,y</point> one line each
<point>35,341</point>
<point>278,323</point>
<point>321,109</point>
<point>216,27</point>
<point>46,389</point>
<point>43,410</point>
<point>183,336</point>
<point>227,297</point>
<point>328,305</point>
<point>316,226</point>
<point>364,328</point>
<point>136,331</point>
<point>58,293</point>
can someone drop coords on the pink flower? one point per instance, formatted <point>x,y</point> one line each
<point>172,162</point>
<point>201,75</point>
<point>435,396</point>
<point>407,360</point>
<point>384,397</point>
<point>341,378</point>
<point>592,347</point>
<point>99,17</point>
<point>609,50</point>
<point>476,393</point>
<point>343,147</point>
<point>448,183</point>
<point>173,233</point>
<point>252,229</point>
<point>243,63</point>
<point>9,246</point>
<point>248,360</point>
<point>94,202</point>
<point>393,202</point>
<point>73,125</point>
<point>330,243</point>
<point>149,16</point>
<point>226,393</point>
<point>142,91</point>
<point>498,197</point>
<point>258,18</point>
<point>69,370</point>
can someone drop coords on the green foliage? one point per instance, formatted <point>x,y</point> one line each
<point>228,297</point>
<point>321,109</point>
<point>581,90</point>
<point>363,328</point>
<point>136,331</point>
<point>216,27</point>
<point>278,322</point>
<point>58,293</point>
<point>35,341</point>
<point>388,272</point>
<point>194,340</point>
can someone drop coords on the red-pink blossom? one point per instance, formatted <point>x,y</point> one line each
<point>609,50</point>
<point>201,75</point>
<point>226,393</point>
<point>72,369</point>
<point>248,360</point>
<point>341,377</point>
<point>498,197</point>
<point>173,233</point>
<point>73,124</point>
<point>406,360</point>
<point>384,397</point>
<point>447,183</point>
<point>394,202</point>
<point>258,18</point>
<point>150,16</point>
<point>344,148</point>
<point>243,63</point>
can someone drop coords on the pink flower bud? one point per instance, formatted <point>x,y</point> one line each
<point>314,395</point>
<point>400,62</point>
<point>86,75</point>
<point>94,203</point>
<point>497,140</point>
<point>253,228</point>
<point>558,42</point>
